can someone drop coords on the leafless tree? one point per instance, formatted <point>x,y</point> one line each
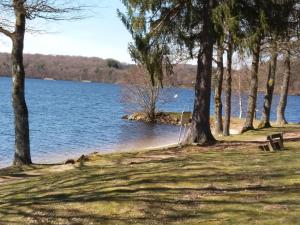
<point>141,95</point>
<point>14,15</point>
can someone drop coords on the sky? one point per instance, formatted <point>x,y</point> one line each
<point>102,35</point>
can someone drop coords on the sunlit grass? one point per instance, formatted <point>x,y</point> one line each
<point>219,185</point>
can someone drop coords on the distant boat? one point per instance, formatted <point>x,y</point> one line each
<point>86,81</point>
<point>48,78</point>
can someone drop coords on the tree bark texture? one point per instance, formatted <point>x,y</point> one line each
<point>253,89</point>
<point>284,90</point>
<point>265,119</point>
<point>218,91</point>
<point>22,145</point>
<point>227,110</point>
<point>200,131</point>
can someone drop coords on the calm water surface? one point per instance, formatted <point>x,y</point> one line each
<point>68,119</point>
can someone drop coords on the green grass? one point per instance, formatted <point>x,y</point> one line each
<point>191,185</point>
<point>261,133</point>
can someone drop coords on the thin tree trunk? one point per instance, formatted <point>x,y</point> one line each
<point>265,119</point>
<point>151,112</point>
<point>218,91</point>
<point>284,90</point>
<point>227,111</point>
<point>200,131</point>
<point>253,89</point>
<point>240,98</point>
<point>22,146</point>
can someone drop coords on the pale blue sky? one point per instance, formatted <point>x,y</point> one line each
<point>101,35</point>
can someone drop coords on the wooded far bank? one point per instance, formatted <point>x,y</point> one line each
<point>112,71</point>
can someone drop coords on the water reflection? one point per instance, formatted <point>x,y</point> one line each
<point>145,135</point>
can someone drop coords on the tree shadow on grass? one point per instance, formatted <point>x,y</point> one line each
<point>157,203</point>
<point>158,191</point>
<point>158,206</point>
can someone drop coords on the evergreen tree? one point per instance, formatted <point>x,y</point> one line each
<point>257,21</point>
<point>149,52</point>
<point>227,18</point>
<point>263,18</point>
<point>187,26</point>
<point>279,28</point>
<point>265,119</point>
<point>289,45</point>
<point>281,120</point>
<point>218,89</point>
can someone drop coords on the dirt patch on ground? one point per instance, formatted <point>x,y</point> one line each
<point>292,135</point>
<point>40,170</point>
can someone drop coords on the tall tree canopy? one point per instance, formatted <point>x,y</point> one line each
<point>226,17</point>
<point>195,26</point>
<point>188,27</point>
<point>147,50</point>
<point>259,19</point>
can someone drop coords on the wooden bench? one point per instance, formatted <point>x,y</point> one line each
<point>275,142</point>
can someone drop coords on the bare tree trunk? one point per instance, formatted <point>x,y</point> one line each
<point>22,146</point>
<point>265,119</point>
<point>218,91</point>
<point>227,111</point>
<point>151,116</point>
<point>240,98</point>
<point>284,90</point>
<point>155,92</point>
<point>253,89</point>
<point>199,131</point>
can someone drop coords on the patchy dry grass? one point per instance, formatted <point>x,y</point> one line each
<point>230,183</point>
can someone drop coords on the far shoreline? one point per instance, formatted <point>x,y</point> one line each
<point>191,87</point>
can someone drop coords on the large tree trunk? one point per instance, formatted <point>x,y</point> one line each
<point>199,131</point>
<point>227,111</point>
<point>253,89</point>
<point>218,91</point>
<point>22,146</point>
<point>265,119</point>
<point>284,90</point>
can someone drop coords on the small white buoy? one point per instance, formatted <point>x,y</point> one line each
<point>176,95</point>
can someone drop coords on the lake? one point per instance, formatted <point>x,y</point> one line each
<point>69,118</point>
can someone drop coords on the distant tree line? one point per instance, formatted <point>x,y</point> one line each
<point>94,69</point>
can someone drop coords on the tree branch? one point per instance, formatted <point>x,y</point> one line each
<point>48,10</point>
<point>6,32</point>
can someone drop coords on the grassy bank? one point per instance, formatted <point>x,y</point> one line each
<point>230,183</point>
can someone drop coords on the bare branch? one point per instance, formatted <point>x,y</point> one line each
<point>172,13</point>
<point>142,95</point>
<point>6,32</point>
<point>50,10</point>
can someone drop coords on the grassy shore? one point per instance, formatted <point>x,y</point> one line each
<point>230,183</point>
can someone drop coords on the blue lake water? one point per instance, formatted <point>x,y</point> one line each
<point>68,119</point>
